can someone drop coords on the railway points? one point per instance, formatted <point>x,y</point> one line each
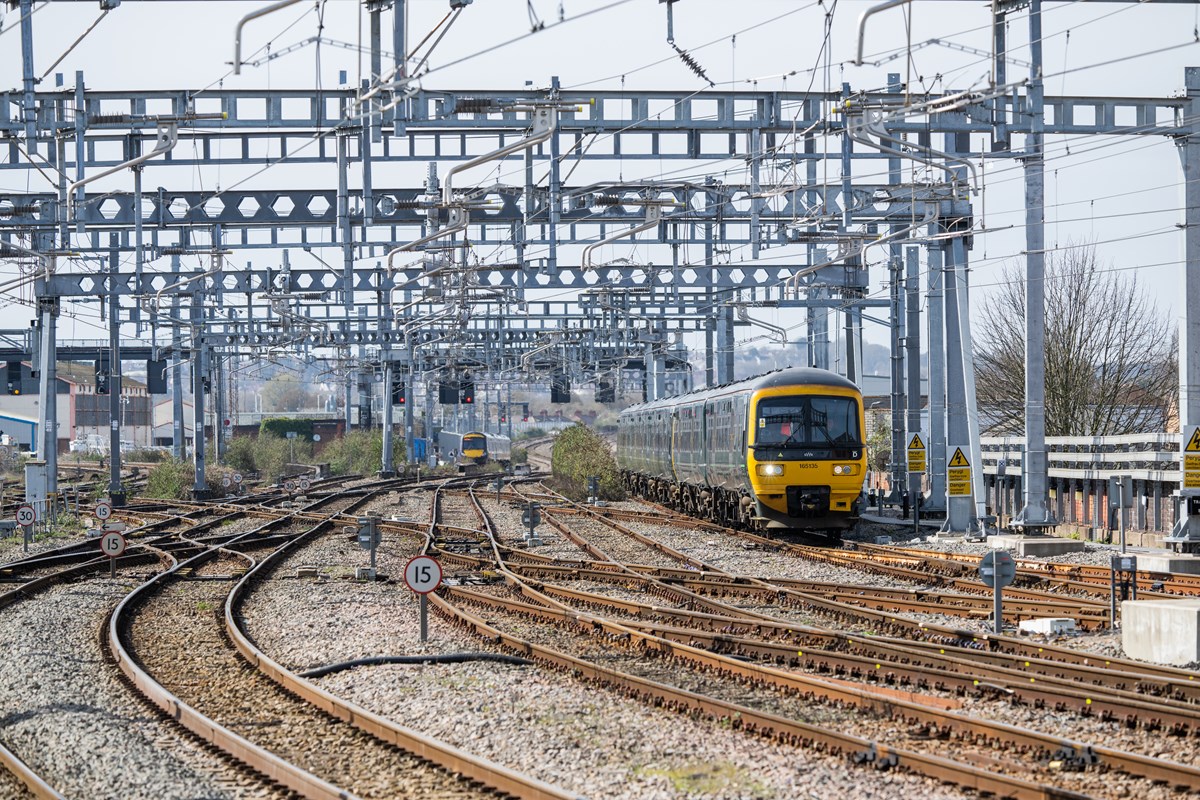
<point>345,294</point>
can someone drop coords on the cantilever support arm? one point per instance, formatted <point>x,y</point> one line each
<point>862,24</point>
<point>931,216</point>
<point>872,122</point>
<point>237,32</point>
<point>777,331</point>
<point>545,120</point>
<point>459,219</point>
<point>168,135</point>
<point>653,217</point>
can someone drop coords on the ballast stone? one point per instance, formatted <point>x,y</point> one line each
<point>1162,631</point>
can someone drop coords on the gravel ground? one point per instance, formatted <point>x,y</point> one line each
<point>531,719</point>
<point>179,637</point>
<point>734,555</point>
<point>862,723</point>
<point>72,720</point>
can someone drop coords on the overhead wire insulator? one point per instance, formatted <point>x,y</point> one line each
<point>473,105</point>
<point>692,63</point>
<point>607,200</point>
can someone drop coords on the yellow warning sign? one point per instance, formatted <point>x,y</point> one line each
<point>958,459</point>
<point>1191,459</point>
<point>958,475</point>
<point>916,443</point>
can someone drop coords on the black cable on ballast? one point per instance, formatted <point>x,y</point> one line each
<point>443,658</point>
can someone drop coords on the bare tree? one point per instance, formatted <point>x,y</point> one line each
<point>1111,357</point>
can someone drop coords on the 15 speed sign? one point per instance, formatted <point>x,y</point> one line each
<point>423,574</point>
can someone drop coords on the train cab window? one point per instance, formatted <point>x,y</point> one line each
<point>807,421</point>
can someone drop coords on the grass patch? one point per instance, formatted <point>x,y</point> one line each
<point>705,779</point>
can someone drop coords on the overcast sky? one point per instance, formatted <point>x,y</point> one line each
<point>1121,192</point>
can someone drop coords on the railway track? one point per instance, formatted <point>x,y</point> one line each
<point>642,567</point>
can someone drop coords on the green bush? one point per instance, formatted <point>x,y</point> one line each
<point>241,454</point>
<point>173,480</point>
<point>579,453</point>
<point>170,480</point>
<point>281,426</point>
<point>532,433</point>
<point>267,455</point>
<point>520,455</point>
<point>143,455</point>
<point>360,453</point>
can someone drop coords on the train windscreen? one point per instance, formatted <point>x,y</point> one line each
<point>807,421</point>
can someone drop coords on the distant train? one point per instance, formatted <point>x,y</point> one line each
<point>475,448</point>
<point>781,451</point>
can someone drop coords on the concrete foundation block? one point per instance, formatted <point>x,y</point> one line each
<point>1037,546</point>
<point>1167,562</point>
<point>1048,625</point>
<point>883,540</point>
<point>1162,631</point>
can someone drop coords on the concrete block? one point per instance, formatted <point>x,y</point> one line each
<point>1168,562</point>
<point>1037,546</point>
<point>883,540</point>
<point>1162,631</point>
<point>1048,625</point>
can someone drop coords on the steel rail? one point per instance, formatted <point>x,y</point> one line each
<point>763,723</point>
<point>903,666</point>
<point>995,642</point>
<point>756,721</point>
<point>33,782</point>
<point>441,753</point>
<point>1172,773</point>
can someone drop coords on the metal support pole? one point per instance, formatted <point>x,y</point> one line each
<point>725,345</point>
<point>216,365</point>
<point>912,343</point>
<point>424,619</point>
<point>1185,535</point>
<point>960,511</point>
<point>998,609</point>
<point>962,296</point>
<point>199,373</point>
<point>555,191</point>
<point>410,395</point>
<point>1121,510</point>
<point>178,446</point>
<point>388,469</point>
<point>48,389</point>
<point>1036,515</point>
<point>29,79</point>
<point>897,465</point>
<point>137,226</point>
<point>937,383</point>
<point>115,493</point>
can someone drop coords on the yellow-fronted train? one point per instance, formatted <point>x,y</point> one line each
<point>781,451</point>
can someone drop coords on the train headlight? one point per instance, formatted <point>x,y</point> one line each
<point>770,470</point>
<point>845,469</point>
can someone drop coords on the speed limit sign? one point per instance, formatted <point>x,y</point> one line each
<point>423,574</point>
<point>226,482</point>
<point>103,510</point>
<point>304,484</point>
<point>112,544</point>
<point>237,477</point>
<point>26,516</point>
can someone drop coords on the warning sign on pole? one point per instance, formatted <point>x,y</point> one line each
<point>958,474</point>
<point>916,454</point>
<point>1190,457</point>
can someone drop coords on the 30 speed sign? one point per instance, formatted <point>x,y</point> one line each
<point>26,516</point>
<point>423,574</point>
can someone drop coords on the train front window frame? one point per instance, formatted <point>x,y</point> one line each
<point>809,422</point>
